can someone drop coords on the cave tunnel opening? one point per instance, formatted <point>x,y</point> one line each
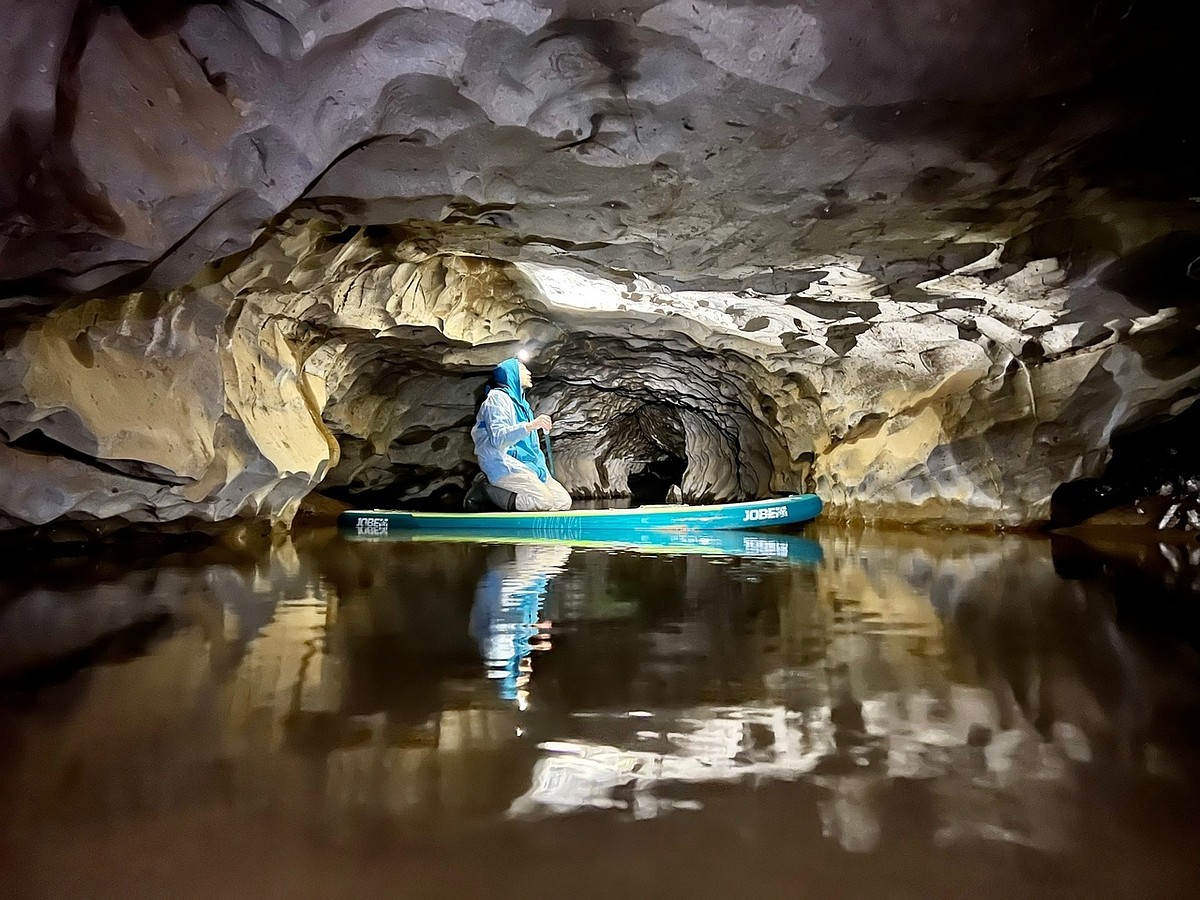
<point>651,484</point>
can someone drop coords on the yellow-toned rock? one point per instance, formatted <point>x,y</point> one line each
<point>152,409</point>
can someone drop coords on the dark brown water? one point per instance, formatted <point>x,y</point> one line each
<point>870,715</point>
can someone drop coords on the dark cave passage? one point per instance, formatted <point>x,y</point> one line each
<point>651,484</point>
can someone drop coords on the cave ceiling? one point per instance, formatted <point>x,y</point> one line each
<point>713,145</point>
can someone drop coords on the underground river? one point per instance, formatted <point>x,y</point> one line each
<point>833,713</point>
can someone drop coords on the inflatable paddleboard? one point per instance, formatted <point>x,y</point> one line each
<point>583,523</point>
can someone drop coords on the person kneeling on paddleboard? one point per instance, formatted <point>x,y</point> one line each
<point>515,475</point>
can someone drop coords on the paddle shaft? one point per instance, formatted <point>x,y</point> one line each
<point>549,453</point>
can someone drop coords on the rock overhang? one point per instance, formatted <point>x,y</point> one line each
<point>708,143</point>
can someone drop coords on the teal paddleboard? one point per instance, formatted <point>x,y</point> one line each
<point>583,523</point>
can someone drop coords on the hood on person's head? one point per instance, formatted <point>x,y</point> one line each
<point>507,376</point>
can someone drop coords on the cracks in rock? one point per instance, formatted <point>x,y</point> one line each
<point>867,427</point>
<point>275,14</point>
<point>596,119</point>
<point>37,442</point>
<point>218,81</point>
<point>637,136</point>
<point>354,148</point>
<point>1032,396</point>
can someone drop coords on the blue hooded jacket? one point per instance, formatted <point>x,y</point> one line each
<point>507,378</point>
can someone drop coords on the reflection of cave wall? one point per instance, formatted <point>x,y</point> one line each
<point>963,659</point>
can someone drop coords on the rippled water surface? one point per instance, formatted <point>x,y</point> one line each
<point>844,714</point>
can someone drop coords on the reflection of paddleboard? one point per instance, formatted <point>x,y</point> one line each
<point>712,543</point>
<point>586,523</point>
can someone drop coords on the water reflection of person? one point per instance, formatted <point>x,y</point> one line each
<point>505,619</point>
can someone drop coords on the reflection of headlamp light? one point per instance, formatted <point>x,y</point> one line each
<point>523,355</point>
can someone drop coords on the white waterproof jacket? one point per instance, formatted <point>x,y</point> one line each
<point>496,429</point>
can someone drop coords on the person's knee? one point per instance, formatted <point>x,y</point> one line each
<point>544,502</point>
<point>501,498</point>
<point>530,503</point>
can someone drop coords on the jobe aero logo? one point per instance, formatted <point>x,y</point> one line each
<point>765,514</point>
<point>372,526</point>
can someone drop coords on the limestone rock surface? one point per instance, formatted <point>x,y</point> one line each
<point>710,142</point>
<point>146,409</point>
<point>354,360</point>
<point>925,258</point>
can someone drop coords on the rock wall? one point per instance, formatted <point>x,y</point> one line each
<point>968,407</point>
<point>149,409</point>
<point>353,359</point>
<point>924,258</point>
<point>697,140</point>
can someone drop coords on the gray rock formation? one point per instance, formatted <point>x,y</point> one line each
<point>687,138</point>
<point>348,359</point>
<point>922,258</point>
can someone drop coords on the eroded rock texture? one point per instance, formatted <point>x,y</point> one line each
<point>686,138</point>
<point>154,409</point>
<point>233,396</point>
<point>925,258</point>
